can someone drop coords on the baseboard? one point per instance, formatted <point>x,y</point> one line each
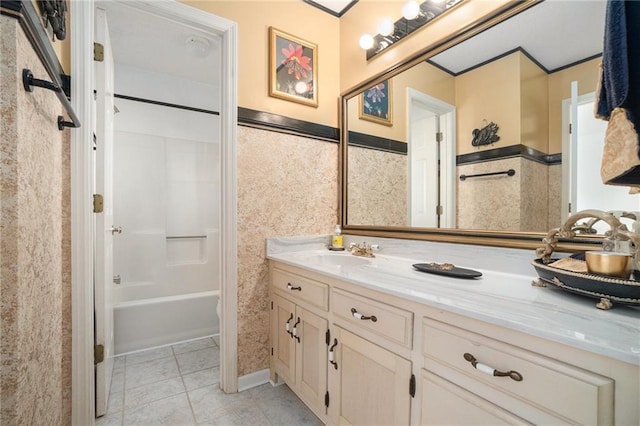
<point>254,379</point>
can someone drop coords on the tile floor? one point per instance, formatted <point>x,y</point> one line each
<point>178,385</point>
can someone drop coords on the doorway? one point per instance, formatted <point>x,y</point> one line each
<point>431,151</point>
<point>583,142</point>
<point>83,383</point>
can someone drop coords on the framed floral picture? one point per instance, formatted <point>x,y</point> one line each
<point>293,68</point>
<point>376,105</point>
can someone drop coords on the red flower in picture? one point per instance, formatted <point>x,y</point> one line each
<point>295,62</point>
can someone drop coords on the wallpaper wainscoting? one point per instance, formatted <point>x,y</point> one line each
<point>35,256</point>
<point>287,185</point>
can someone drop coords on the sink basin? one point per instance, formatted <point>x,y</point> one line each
<point>337,260</point>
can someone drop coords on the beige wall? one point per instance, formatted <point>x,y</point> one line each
<point>534,105</point>
<point>486,94</point>
<point>587,75</point>
<point>35,298</point>
<point>364,17</point>
<point>296,18</point>
<point>424,78</point>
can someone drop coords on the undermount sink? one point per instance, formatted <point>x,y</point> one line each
<point>337,260</point>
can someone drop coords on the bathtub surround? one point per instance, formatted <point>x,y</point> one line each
<point>287,185</point>
<point>35,345</point>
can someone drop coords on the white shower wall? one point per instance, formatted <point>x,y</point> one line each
<point>167,185</point>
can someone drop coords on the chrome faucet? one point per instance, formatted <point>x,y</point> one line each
<point>364,249</point>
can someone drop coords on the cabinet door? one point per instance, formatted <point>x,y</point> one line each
<point>283,360</point>
<point>311,358</point>
<point>446,403</point>
<point>370,385</point>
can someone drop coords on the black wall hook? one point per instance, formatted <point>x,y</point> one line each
<point>29,81</point>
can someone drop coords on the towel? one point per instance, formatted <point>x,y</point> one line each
<point>619,94</point>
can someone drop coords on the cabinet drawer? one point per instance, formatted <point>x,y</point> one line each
<point>392,323</point>
<point>572,393</point>
<point>300,288</point>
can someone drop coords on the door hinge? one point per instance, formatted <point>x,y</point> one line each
<point>439,136</point>
<point>326,399</point>
<point>412,386</point>
<point>570,128</point>
<point>98,203</point>
<point>98,52</point>
<point>569,207</point>
<point>439,210</point>
<point>271,351</point>
<point>98,354</point>
<point>272,305</point>
<point>328,337</point>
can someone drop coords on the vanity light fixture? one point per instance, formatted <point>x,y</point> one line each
<point>415,14</point>
<point>366,41</point>
<point>411,10</point>
<point>386,27</point>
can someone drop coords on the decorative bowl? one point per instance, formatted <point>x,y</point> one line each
<point>609,263</point>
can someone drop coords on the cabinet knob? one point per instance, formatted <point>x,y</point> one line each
<point>490,370</point>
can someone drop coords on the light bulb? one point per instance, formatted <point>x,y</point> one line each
<point>386,27</point>
<point>366,41</point>
<point>411,10</point>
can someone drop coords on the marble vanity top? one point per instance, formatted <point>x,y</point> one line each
<point>503,295</point>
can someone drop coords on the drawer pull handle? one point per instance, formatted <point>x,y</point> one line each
<point>292,288</point>
<point>288,326</point>
<point>331,354</point>
<point>490,370</point>
<point>359,316</point>
<point>295,330</point>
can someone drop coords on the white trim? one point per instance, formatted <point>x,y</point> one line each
<point>82,376</point>
<point>254,379</point>
<point>83,383</point>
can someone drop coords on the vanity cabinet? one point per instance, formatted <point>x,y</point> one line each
<point>369,385</point>
<point>357,355</point>
<point>298,336</point>
<point>369,377</point>
<point>499,379</point>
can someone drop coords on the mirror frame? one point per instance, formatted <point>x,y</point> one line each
<point>511,239</point>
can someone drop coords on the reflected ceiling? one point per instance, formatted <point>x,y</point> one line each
<point>563,44</point>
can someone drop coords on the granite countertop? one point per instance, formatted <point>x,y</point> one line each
<point>503,295</point>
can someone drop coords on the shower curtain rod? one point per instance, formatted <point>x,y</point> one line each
<point>167,104</point>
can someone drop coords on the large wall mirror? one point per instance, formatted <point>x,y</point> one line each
<point>421,153</point>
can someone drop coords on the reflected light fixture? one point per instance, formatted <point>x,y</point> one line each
<point>386,27</point>
<point>300,87</point>
<point>366,41</point>
<point>411,10</point>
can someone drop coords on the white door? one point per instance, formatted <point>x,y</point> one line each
<point>103,279</point>
<point>584,183</point>
<point>432,164</point>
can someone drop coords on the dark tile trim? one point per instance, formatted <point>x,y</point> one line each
<point>363,140</point>
<point>508,152</point>
<point>266,120</point>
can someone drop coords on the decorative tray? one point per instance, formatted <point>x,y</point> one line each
<point>598,286</point>
<point>447,269</point>
<point>607,289</point>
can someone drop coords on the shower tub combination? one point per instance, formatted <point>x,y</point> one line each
<point>167,201</point>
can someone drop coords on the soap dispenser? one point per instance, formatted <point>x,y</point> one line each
<point>336,239</point>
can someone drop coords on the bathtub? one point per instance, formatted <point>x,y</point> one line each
<point>145,323</point>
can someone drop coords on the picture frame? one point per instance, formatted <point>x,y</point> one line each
<point>293,68</point>
<point>376,104</point>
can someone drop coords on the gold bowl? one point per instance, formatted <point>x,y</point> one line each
<point>609,263</point>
